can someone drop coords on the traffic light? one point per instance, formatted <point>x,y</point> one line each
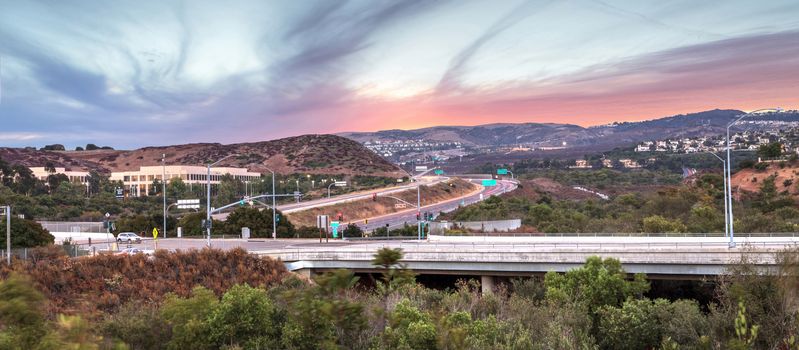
<point>374,196</point>
<point>340,217</point>
<point>365,221</point>
<point>277,218</point>
<point>418,216</point>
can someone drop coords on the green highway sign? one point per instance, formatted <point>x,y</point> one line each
<point>439,172</point>
<point>502,171</point>
<point>489,183</point>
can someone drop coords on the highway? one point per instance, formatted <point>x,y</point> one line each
<point>396,220</point>
<point>287,208</point>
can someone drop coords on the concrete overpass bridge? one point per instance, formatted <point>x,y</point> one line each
<point>490,257</point>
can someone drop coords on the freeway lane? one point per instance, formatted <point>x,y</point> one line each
<point>347,197</point>
<point>399,219</point>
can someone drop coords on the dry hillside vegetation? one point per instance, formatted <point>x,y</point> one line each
<point>312,154</point>
<point>104,282</point>
<point>786,178</point>
<point>359,210</point>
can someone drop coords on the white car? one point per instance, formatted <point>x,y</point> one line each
<point>130,251</point>
<point>128,237</point>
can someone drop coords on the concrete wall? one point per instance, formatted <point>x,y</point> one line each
<point>483,226</point>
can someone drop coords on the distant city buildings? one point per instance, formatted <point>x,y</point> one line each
<point>139,182</point>
<point>745,140</point>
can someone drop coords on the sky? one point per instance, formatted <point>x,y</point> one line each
<point>137,73</point>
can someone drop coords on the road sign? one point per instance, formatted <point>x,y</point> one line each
<point>119,192</point>
<point>489,183</point>
<point>334,227</point>
<point>108,215</point>
<point>502,171</point>
<point>322,221</point>
<point>421,168</point>
<point>400,205</point>
<point>155,233</point>
<point>340,183</point>
<point>439,172</point>
<point>188,204</point>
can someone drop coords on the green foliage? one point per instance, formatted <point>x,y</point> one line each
<point>770,150</point>
<point>395,274</point>
<point>188,319</point>
<point>245,317</point>
<point>659,224</point>
<point>352,230</point>
<point>25,234</point>
<point>745,334</point>
<point>22,322</point>
<point>259,222</point>
<point>598,283</point>
<point>139,325</point>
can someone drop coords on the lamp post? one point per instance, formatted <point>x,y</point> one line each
<point>724,180</point>
<point>274,223</point>
<point>208,200</point>
<point>298,190</point>
<point>729,170</point>
<point>7,210</point>
<point>163,187</point>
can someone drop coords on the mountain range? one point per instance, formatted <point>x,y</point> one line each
<point>708,123</point>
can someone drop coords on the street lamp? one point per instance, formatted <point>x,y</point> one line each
<point>208,200</point>
<point>7,210</point>
<point>724,180</point>
<point>163,187</point>
<point>298,190</point>
<point>274,223</point>
<point>335,183</point>
<point>729,171</point>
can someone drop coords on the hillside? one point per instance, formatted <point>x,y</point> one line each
<point>786,179</point>
<point>542,134</point>
<point>313,154</point>
<point>711,122</point>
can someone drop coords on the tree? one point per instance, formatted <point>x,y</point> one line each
<point>189,319</point>
<point>26,234</point>
<point>352,230</point>
<point>91,147</point>
<point>54,147</point>
<point>598,283</point>
<point>770,150</point>
<point>246,317</point>
<point>259,222</point>
<point>659,224</point>
<point>22,320</point>
<point>176,189</point>
<point>228,190</point>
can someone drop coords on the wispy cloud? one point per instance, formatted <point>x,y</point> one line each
<point>180,71</point>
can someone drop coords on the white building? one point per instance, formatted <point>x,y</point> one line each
<point>138,183</point>
<point>81,177</point>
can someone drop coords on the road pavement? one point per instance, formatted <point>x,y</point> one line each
<point>399,219</point>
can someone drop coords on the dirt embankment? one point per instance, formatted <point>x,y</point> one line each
<point>359,210</point>
<point>750,180</point>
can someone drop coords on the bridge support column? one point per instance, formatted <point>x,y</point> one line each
<point>487,284</point>
<point>307,273</point>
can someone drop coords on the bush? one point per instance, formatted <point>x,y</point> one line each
<point>25,234</point>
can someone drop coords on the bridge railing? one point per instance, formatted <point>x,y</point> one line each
<point>721,257</point>
<point>619,234</point>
